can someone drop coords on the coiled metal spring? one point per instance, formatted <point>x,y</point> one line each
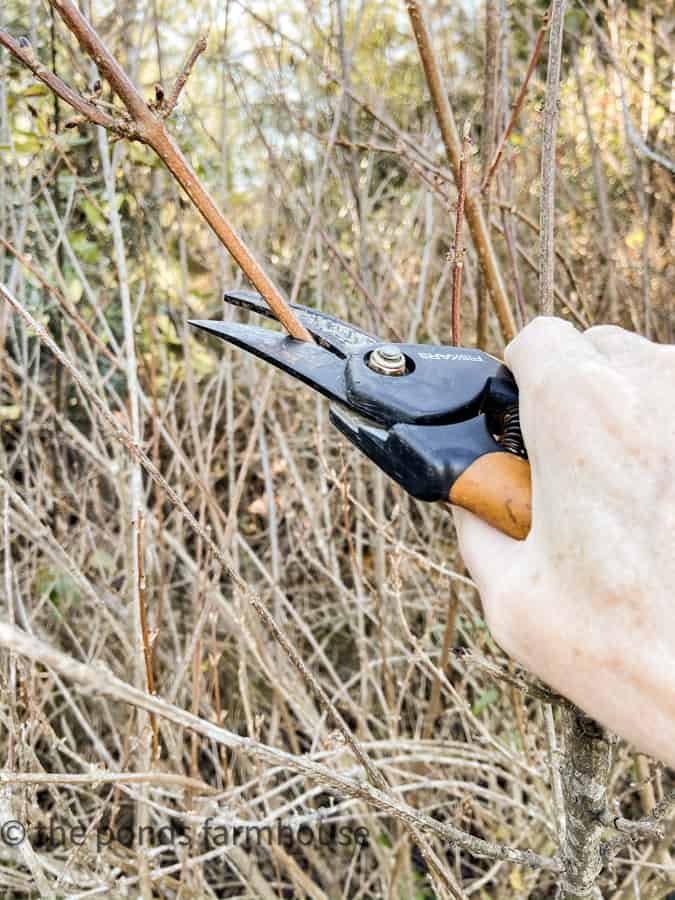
<point>512,437</point>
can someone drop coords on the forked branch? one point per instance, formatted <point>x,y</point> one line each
<point>143,122</point>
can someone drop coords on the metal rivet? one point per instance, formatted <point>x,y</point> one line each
<point>387,360</point>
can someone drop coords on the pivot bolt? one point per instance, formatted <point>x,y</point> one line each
<point>387,360</point>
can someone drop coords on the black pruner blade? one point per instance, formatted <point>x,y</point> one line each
<point>311,363</point>
<point>320,365</point>
<point>424,425</point>
<point>330,332</point>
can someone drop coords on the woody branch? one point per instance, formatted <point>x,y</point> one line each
<point>143,122</point>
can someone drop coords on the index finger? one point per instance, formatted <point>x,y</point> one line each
<point>546,343</point>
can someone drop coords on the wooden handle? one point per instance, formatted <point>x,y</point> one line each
<point>497,488</point>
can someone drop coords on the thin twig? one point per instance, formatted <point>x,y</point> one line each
<point>169,104</point>
<point>458,260</point>
<point>652,825</point>
<point>143,124</point>
<point>147,643</point>
<point>495,38</point>
<point>23,51</point>
<point>519,679</point>
<point>518,105</point>
<point>99,776</point>
<point>548,166</point>
<point>448,639</point>
<point>67,306</point>
<point>446,122</point>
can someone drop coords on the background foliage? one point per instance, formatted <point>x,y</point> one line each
<point>312,127</point>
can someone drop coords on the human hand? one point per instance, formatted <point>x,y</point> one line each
<point>587,601</point>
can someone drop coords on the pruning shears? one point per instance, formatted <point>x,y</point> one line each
<point>441,421</point>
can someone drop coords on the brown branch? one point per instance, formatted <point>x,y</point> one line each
<point>518,105</point>
<point>169,104</point>
<point>106,63</point>
<point>153,132</point>
<point>480,234</point>
<point>458,260</point>
<point>23,51</point>
<point>147,126</point>
<point>105,684</point>
<point>147,643</point>
<point>135,451</point>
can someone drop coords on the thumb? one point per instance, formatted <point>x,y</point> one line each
<point>487,553</point>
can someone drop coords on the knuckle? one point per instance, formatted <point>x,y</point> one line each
<point>573,383</point>
<point>543,334</point>
<point>564,399</point>
<point>530,335</point>
<point>542,326</point>
<point>603,331</point>
<point>618,345</point>
<point>550,327</point>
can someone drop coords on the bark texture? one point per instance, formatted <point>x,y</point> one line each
<point>585,773</point>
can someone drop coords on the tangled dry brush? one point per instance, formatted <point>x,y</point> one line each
<point>220,616</point>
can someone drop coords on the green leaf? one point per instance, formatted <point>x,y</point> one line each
<point>74,290</point>
<point>94,215</point>
<point>30,143</point>
<point>85,249</point>
<point>35,90</point>
<point>486,699</point>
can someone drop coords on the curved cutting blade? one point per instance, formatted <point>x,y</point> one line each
<point>331,332</point>
<point>310,363</point>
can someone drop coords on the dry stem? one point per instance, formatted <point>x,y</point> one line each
<point>145,632</point>
<point>458,260</point>
<point>446,122</point>
<point>517,106</point>
<point>106,684</point>
<point>139,122</point>
<point>548,166</point>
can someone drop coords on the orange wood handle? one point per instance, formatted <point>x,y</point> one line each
<point>497,489</point>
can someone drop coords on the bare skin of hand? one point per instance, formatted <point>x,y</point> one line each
<point>587,601</point>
